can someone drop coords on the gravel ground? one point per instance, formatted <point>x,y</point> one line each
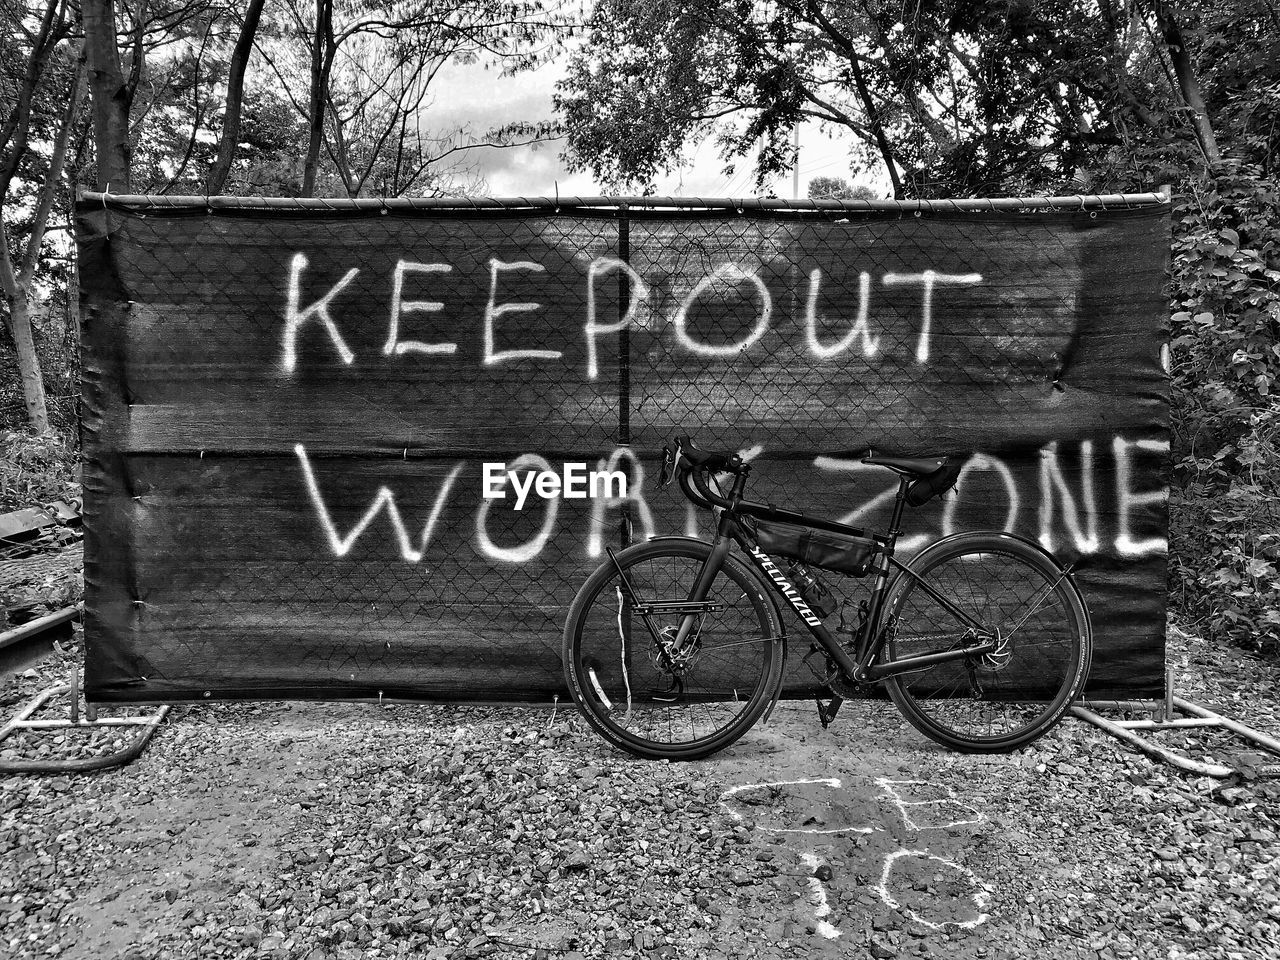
<point>355,830</point>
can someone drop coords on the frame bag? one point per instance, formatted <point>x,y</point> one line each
<point>840,552</point>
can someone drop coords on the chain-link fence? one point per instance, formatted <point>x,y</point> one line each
<point>289,406</point>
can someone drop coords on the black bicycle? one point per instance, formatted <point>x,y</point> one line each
<point>674,647</point>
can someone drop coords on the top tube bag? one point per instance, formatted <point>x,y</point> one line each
<point>819,548</point>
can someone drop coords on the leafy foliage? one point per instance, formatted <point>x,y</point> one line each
<point>958,98</point>
<point>837,188</point>
<point>36,469</point>
<point>1225,377</point>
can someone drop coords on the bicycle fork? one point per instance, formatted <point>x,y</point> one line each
<point>690,610</point>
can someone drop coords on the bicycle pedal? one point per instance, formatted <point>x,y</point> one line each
<point>827,711</point>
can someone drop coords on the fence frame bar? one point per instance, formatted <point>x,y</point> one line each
<point>621,205</point>
<point>1167,720</point>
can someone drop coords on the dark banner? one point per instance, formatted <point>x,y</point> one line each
<point>292,417</point>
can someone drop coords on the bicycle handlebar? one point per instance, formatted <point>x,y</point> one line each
<point>690,464</point>
<point>703,496</point>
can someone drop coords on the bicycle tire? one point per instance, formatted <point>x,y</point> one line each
<point>612,667</point>
<point>1009,698</point>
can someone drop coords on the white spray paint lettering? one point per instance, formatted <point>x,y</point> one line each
<point>295,318</point>
<point>908,543</point>
<point>383,500</point>
<point>399,306</point>
<point>1052,481</point>
<point>980,461</point>
<point>493,310</point>
<point>818,899</point>
<point>532,547</point>
<point>859,330</point>
<point>1126,546</point>
<point>928,279</point>
<point>726,274</point>
<point>591,329</point>
<point>833,782</point>
<point>896,792</point>
<point>897,798</point>
<point>979,896</point>
<point>610,487</point>
<point>628,494</point>
<point>735,274</point>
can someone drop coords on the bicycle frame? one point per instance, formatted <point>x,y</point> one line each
<point>871,637</point>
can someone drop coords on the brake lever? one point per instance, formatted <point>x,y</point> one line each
<point>669,461</point>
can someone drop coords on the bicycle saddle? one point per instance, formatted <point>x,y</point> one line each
<point>916,466</point>
<point>930,476</point>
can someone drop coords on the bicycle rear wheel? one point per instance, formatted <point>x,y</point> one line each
<point>627,691</point>
<point>1020,597</point>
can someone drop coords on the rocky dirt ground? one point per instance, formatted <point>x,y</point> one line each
<point>358,830</point>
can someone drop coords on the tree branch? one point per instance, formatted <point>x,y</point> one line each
<point>231,114</point>
<point>53,176</point>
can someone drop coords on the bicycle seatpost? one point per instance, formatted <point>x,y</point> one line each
<point>895,524</point>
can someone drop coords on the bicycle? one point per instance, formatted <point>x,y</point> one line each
<point>674,647</point>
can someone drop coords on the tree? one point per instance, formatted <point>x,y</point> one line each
<point>957,97</point>
<point>46,73</point>
<point>172,78</point>
<point>837,188</point>
<point>368,66</point>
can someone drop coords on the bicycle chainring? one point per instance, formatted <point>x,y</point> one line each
<point>836,682</point>
<point>842,688</point>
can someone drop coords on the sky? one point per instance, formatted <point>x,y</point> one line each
<point>482,99</point>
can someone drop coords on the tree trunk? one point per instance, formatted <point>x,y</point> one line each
<point>111,95</point>
<point>873,121</point>
<point>28,361</point>
<point>235,98</point>
<point>17,296</point>
<point>18,284</point>
<point>1188,83</point>
<point>321,58</point>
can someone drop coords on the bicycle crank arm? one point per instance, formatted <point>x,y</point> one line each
<point>880,671</point>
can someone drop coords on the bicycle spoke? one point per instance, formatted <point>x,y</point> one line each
<point>1015,689</point>
<point>653,698</point>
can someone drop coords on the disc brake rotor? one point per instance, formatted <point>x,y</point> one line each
<point>999,658</point>
<point>676,665</point>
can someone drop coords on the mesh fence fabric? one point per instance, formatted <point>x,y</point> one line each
<point>287,413</point>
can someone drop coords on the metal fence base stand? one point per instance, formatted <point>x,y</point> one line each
<point>1166,719</point>
<point>91,721</point>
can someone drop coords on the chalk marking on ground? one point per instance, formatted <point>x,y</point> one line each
<point>818,898</point>
<point>884,783</point>
<point>833,782</point>
<point>979,896</point>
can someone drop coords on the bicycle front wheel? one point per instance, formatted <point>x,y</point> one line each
<point>640,700</point>
<point>1009,591</point>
